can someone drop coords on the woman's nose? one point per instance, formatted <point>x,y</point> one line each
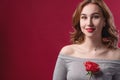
<point>89,21</point>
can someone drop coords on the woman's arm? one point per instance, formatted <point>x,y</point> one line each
<point>60,70</point>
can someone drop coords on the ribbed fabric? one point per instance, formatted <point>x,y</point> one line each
<point>72,68</point>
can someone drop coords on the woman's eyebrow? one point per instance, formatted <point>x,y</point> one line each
<point>82,14</point>
<point>96,13</point>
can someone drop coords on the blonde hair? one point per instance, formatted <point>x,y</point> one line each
<point>109,32</point>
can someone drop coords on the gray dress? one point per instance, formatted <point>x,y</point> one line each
<point>72,68</point>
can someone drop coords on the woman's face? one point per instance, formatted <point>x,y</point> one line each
<point>91,20</point>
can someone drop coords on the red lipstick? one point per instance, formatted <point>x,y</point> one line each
<point>90,29</point>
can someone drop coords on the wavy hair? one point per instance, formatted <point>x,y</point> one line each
<point>109,32</point>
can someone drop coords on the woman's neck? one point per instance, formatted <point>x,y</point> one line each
<point>92,44</point>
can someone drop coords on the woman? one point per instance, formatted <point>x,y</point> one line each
<point>94,42</point>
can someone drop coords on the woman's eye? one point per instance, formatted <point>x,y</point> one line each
<point>83,17</point>
<point>96,17</point>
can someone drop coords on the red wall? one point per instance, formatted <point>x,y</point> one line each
<point>32,33</point>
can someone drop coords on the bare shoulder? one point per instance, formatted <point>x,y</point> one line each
<point>118,49</point>
<point>117,53</point>
<point>67,50</point>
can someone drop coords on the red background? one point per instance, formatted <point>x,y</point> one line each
<point>33,32</point>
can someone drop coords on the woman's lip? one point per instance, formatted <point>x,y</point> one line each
<point>90,29</point>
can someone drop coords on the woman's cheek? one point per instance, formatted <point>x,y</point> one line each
<point>82,24</point>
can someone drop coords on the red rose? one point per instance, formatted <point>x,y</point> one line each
<point>91,68</point>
